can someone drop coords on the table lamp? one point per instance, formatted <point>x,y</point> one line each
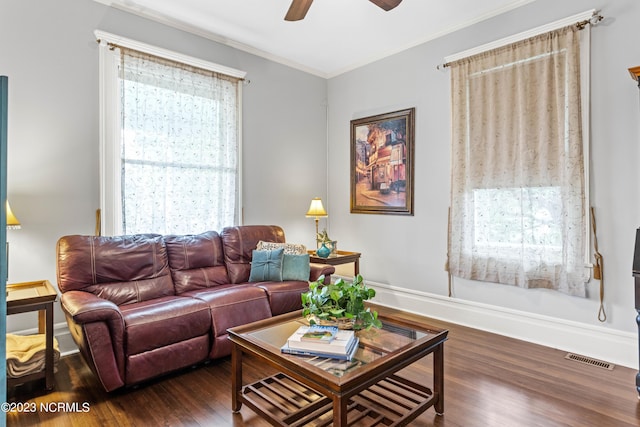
<point>316,210</point>
<point>12,224</point>
<point>12,221</point>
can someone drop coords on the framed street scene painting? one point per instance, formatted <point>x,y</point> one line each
<point>382,149</point>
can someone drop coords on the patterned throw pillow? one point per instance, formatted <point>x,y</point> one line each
<point>266,266</point>
<point>289,248</point>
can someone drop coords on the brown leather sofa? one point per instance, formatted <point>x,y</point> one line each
<point>140,306</point>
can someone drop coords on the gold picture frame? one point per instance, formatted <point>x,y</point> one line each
<point>382,151</point>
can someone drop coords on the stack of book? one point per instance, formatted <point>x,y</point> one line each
<point>322,341</point>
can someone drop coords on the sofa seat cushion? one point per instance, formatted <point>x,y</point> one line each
<point>284,297</point>
<point>233,305</point>
<point>163,321</point>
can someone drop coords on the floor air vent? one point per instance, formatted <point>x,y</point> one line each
<point>590,361</point>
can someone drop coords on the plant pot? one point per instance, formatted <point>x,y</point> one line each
<point>323,251</point>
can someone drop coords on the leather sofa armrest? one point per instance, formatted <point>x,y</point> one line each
<point>318,270</point>
<point>85,307</point>
<point>97,327</point>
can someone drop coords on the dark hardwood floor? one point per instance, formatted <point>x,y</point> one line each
<point>490,380</point>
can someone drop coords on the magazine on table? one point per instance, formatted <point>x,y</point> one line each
<point>320,334</point>
<point>336,367</point>
<point>338,345</point>
<point>346,355</point>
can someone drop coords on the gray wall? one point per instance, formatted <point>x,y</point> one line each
<point>49,52</point>
<point>410,252</point>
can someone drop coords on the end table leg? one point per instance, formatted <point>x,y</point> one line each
<point>638,322</point>
<point>236,378</point>
<point>48,357</point>
<point>438,378</point>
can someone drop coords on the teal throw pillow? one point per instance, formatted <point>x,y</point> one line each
<point>266,266</point>
<point>295,267</point>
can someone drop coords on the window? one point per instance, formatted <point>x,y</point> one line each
<point>170,146</point>
<point>507,220</point>
<point>518,202</point>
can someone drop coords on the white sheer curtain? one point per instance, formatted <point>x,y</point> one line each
<point>518,193</point>
<point>179,148</point>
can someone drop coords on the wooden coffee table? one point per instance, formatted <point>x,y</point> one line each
<point>312,391</point>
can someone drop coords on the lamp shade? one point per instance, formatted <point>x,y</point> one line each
<point>316,209</point>
<point>12,221</point>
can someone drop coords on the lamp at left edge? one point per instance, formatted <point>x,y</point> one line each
<point>12,222</point>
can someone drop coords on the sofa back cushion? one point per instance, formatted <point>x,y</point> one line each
<point>239,243</point>
<point>196,261</point>
<point>121,269</point>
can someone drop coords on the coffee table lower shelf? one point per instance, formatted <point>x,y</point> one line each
<point>394,401</point>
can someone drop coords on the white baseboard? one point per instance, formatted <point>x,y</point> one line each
<point>617,347</point>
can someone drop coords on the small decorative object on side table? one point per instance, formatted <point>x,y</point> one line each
<point>341,257</point>
<point>35,296</point>
<point>323,239</point>
<point>323,251</point>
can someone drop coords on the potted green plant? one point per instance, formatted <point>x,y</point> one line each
<point>340,303</point>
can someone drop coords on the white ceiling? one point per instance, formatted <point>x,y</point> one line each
<point>336,35</point>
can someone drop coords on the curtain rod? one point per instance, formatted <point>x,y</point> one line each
<point>113,46</point>
<point>113,41</point>
<point>580,25</point>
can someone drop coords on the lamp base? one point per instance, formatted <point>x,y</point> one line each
<point>317,231</point>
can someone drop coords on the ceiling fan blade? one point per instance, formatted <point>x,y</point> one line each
<point>298,10</point>
<point>386,4</point>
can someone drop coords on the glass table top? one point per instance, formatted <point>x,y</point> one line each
<point>373,343</point>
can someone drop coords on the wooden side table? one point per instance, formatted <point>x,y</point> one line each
<point>341,257</point>
<point>35,296</point>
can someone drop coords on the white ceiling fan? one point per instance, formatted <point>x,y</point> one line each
<point>299,8</point>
